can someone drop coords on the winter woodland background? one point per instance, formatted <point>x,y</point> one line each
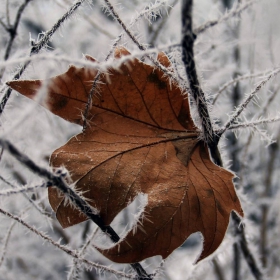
<point>233,57</point>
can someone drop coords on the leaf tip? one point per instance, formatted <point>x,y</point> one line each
<point>163,59</point>
<point>121,51</point>
<point>89,58</point>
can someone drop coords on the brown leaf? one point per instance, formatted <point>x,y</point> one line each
<point>141,139</point>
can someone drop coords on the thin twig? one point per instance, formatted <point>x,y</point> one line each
<point>13,30</point>
<point>65,249</point>
<point>81,253</point>
<point>247,145</point>
<point>134,39</point>
<point>23,190</point>
<point>256,271</point>
<point>4,25</point>
<point>253,123</point>
<point>6,241</point>
<point>8,13</point>
<point>234,81</point>
<point>267,193</point>
<point>239,8</point>
<point>162,24</point>
<point>218,270</point>
<point>37,47</point>
<point>246,101</point>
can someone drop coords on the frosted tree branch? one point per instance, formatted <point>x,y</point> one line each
<point>231,14</point>
<point>254,123</point>
<point>134,39</point>
<point>234,81</point>
<point>21,190</point>
<point>65,249</point>
<point>211,138</point>
<point>81,253</point>
<point>6,241</point>
<point>246,101</point>
<point>188,38</point>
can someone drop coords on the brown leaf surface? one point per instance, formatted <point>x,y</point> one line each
<point>141,139</point>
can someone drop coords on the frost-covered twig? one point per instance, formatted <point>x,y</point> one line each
<point>36,47</point>
<point>162,24</point>
<point>239,8</point>
<point>5,243</point>
<point>254,123</point>
<point>22,190</point>
<point>73,270</point>
<point>234,81</point>
<point>246,101</point>
<point>65,249</point>
<point>59,182</point>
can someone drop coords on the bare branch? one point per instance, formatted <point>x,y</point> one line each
<point>6,241</point>
<point>256,271</point>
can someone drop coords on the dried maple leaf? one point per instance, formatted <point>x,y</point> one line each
<point>141,139</point>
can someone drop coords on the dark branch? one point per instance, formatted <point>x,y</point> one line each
<point>188,38</point>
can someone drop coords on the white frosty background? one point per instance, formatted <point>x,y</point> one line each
<point>246,45</point>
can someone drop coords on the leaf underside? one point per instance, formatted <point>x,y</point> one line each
<point>140,139</point>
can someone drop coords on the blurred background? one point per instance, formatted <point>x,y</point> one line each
<point>232,58</point>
